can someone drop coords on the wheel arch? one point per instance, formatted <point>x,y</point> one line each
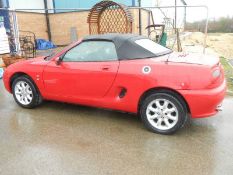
<point>166,90</point>
<point>38,98</point>
<point>19,74</point>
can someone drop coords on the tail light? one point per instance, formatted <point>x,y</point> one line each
<point>216,73</point>
<point>217,76</point>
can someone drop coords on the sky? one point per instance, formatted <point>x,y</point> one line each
<point>217,8</point>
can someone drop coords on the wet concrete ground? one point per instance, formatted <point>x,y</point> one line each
<point>60,138</point>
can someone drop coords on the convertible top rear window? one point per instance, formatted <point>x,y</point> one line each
<point>152,46</point>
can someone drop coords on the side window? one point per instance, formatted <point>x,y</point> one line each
<point>91,51</point>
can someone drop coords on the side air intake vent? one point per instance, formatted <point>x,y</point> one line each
<point>123,93</point>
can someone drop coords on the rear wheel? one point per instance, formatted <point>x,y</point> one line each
<point>25,92</point>
<point>163,113</point>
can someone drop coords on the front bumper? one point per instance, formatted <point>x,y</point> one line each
<point>6,81</point>
<point>205,103</point>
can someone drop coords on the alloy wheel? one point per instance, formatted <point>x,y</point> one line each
<point>23,92</point>
<point>162,114</point>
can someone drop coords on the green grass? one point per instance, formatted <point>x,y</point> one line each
<point>228,73</point>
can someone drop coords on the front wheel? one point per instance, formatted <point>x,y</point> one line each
<point>163,113</point>
<point>25,92</point>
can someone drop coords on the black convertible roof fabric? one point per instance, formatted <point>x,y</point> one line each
<point>125,45</point>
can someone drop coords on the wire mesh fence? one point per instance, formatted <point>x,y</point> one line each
<point>63,26</point>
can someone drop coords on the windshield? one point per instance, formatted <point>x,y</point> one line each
<point>51,53</point>
<point>153,47</point>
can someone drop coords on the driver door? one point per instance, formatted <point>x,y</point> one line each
<point>88,70</point>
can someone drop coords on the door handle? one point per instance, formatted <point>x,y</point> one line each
<point>105,68</point>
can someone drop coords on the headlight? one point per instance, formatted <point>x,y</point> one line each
<point>216,73</point>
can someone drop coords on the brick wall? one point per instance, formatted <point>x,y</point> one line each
<point>61,24</point>
<point>35,22</point>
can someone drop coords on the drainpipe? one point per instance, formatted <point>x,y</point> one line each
<point>47,20</point>
<point>140,17</point>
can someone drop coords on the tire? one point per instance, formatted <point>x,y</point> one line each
<point>163,113</point>
<point>25,92</point>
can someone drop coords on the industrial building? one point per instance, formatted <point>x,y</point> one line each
<point>62,25</point>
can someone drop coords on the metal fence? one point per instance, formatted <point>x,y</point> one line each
<point>63,26</point>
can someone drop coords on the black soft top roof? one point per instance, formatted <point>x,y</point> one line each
<point>125,45</point>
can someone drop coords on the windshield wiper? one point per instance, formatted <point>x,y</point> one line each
<point>48,56</point>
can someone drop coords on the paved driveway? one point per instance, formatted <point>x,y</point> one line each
<point>60,138</point>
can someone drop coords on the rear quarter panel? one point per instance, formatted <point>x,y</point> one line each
<point>175,76</point>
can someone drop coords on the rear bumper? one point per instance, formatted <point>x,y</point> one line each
<point>204,103</point>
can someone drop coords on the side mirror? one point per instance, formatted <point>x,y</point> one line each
<point>58,60</point>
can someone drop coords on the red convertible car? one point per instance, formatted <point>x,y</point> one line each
<point>123,72</point>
